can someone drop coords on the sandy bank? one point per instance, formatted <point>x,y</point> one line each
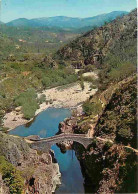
<point>68,96</point>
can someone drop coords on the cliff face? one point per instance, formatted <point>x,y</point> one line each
<point>108,165</point>
<point>107,168</point>
<point>37,169</point>
<point>94,46</point>
<point>118,120</point>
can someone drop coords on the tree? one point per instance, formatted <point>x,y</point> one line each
<point>92,108</point>
<point>82,83</point>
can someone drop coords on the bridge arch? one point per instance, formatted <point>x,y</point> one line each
<point>46,143</point>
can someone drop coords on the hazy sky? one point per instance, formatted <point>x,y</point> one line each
<point>13,9</point>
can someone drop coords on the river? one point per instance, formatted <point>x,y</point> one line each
<point>46,125</point>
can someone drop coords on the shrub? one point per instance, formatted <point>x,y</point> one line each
<point>82,84</point>
<point>25,97</point>
<point>92,108</point>
<point>93,86</point>
<point>74,113</point>
<point>46,82</point>
<point>4,129</point>
<point>29,109</point>
<point>11,176</point>
<point>124,135</point>
<point>121,71</point>
<point>58,77</point>
<point>85,128</point>
<point>42,99</point>
<point>94,142</point>
<point>107,145</point>
<point>89,68</point>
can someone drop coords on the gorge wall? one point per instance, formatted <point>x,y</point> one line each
<point>39,172</point>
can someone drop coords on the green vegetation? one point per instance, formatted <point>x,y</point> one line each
<point>58,77</point>
<point>92,108</point>
<point>94,142</point>
<point>118,121</point>
<point>28,101</point>
<point>38,79</point>
<point>21,39</point>
<point>20,74</point>
<point>11,176</point>
<point>85,128</point>
<point>82,83</point>
<point>124,135</point>
<point>108,145</point>
<point>121,72</point>
<point>116,71</point>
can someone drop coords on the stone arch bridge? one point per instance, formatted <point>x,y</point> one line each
<point>46,143</point>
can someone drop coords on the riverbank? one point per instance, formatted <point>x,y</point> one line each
<point>67,96</point>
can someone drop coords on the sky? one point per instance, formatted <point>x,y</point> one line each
<point>13,9</point>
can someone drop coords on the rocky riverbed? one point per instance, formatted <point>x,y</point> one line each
<point>68,96</point>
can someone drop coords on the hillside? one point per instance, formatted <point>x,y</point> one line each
<point>47,35</point>
<point>37,40</point>
<point>118,120</point>
<point>7,46</point>
<point>67,22</point>
<point>94,46</point>
<point>110,164</point>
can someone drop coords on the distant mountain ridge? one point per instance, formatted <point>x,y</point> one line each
<point>67,22</point>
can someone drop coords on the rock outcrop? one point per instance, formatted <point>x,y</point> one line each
<point>39,170</point>
<point>68,125</point>
<point>107,167</point>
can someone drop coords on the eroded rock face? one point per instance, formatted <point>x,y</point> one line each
<point>68,125</point>
<point>107,167</point>
<point>49,62</point>
<point>40,173</point>
<point>65,145</point>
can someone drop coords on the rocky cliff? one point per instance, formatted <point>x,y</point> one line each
<point>108,168</point>
<point>37,170</point>
<point>119,118</point>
